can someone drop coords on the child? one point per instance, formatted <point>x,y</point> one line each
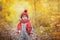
<point>24,27</point>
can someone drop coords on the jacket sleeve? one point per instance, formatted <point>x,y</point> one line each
<point>29,27</point>
<point>19,26</point>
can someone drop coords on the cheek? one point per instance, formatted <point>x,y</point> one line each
<point>26,18</point>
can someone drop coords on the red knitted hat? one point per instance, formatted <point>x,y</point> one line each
<point>24,13</point>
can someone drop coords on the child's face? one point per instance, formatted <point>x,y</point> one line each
<point>24,17</point>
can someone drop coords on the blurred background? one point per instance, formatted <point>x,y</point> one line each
<point>44,15</point>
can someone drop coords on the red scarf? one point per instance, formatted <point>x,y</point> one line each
<point>24,21</point>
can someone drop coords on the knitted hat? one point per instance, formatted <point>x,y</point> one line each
<point>24,13</point>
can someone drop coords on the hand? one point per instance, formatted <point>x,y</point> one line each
<point>31,34</point>
<point>19,31</point>
<point>16,33</point>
